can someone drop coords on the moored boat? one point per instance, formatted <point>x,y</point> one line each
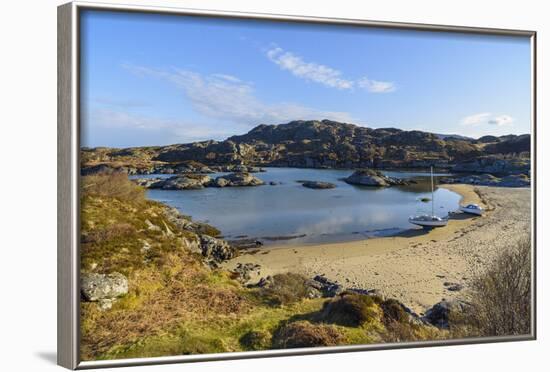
<point>472,209</point>
<point>429,220</point>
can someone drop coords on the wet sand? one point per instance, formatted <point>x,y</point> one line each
<point>413,266</point>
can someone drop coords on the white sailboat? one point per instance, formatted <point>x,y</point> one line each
<point>429,220</point>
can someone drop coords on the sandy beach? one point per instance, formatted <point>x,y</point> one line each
<point>414,266</point>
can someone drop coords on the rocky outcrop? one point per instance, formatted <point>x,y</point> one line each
<point>199,181</point>
<point>317,185</point>
<point>374,178</point>
<point>495,165</point>
<point>324,144</point>
<point>325,286</point>
<point>187,182</point>
<point>216,250</point>
<point>513,180</point>
<point>245,270</point>
<point>440,314</point>
<point>103,287</point>
<point>242,179</point>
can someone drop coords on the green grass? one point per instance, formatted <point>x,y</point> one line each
<point>176,305</point>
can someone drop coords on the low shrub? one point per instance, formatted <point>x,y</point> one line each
<point>351,309</point>
<point>501,297</point>
<point>113,185</point>
<point>305,334</point>
<point>114,231</point>
<point>285,289</point>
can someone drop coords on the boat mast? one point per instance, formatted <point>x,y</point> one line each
<point>432,177</point>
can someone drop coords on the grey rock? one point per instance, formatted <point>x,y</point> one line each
<point>149,183</point>
<point>217,250</point>
<point>327,287</point>
<point>318,185</point>
<point>244,271</point>
<point>95,287</point>
<point>439,314</point>
<point>187,182</point>
<point>374,178</point>
<point>243,179</point>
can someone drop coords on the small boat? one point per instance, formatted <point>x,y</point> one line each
<point>429,220</point>
<point>472,209</point>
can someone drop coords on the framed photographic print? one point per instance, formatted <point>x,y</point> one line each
<point>237,185</point>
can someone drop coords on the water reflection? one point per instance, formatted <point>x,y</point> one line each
<point>289,209</point>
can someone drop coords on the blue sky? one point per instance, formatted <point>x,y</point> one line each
<point>159,79</point>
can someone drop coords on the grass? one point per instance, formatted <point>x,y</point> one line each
<point>176,305</point>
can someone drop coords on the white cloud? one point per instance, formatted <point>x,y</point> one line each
<point>476,118</point>
<point>229,99</point>
<point>323,74</point>
<point>308,70</point>
<point>375,86</point>
<point>487,118</point>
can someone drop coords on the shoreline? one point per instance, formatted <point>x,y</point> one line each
<point>416,267</point>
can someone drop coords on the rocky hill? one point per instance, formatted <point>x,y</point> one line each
<point>326,144</point>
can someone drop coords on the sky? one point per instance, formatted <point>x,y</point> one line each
<point>153,79</point>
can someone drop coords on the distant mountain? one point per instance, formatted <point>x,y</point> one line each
<point>324,144</point>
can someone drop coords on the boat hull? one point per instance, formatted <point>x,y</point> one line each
<point>476,212</point>
<point>429,223</point>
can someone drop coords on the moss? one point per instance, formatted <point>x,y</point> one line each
<point>394,311</point>
<point>305,334</point>
<point>285,289</point>
<point>256,340</point>
<point>351,309</point>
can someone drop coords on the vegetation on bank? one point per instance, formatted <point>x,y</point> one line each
<point>177,304</point>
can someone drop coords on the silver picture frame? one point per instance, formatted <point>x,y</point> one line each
<point>68,174</point>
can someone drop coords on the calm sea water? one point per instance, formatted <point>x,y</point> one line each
<point>289,209</point>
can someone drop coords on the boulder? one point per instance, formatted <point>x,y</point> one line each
<point>214,249</point>
<point>244,271</point>
<point>374,178</point>
<point>242,179</point>
<point>318,185</point>
<point>149,183</point>
<point>218,182</point>
<point>187,182</point>
<point>439,314</point>
<point>95,287</point>
<point>327,287</point>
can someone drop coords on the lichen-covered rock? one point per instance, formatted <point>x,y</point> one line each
<point>374,178</point>
<point>440,313</point>
<point>242,179</point>
<point>219,182</point>
<point>217,250</point>
<point>318,185</point>
<point>245,270</point>
<point>187,182</point>
<point>96,287</point>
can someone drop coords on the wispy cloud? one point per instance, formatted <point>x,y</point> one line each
<point>178,130</point>
<point>375,86</point>
<point>229,99</point>
<point>487,118</point>
<point>322,74</point>
<point>308,70</point>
